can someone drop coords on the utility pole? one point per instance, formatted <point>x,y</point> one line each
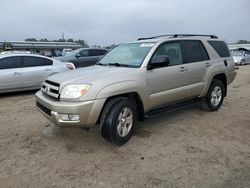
<point>63,36</point>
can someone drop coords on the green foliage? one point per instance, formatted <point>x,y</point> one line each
<point>243,42</point>
<point>79,41</point>
<point>30,40</point>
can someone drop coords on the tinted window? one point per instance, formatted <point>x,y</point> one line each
<point>29,61</point>
<point>172,50</point>
<point>102,52</point>
<point>93,53</point>
<point>10,63</point>
<point>220,47</point>
<point>194,51</point>
<point>97,52</point>
<point>84,53</point>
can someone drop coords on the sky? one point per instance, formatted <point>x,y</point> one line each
<point>106,22</point>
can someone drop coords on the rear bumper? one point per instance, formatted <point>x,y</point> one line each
<point>88,111</point>
<point>231,76</point>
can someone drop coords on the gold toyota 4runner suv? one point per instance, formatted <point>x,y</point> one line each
<point>137,79</point>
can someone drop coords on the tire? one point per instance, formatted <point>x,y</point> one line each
<point>118,120</point>
<point>215,96</point>
<point>243,62</point>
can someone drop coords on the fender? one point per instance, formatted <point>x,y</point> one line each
<point>124,87</point>
<point>219,69</point>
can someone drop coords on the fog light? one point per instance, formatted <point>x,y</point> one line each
<point>64,117</point>
<point>70,117</point>
<point>74,117</point>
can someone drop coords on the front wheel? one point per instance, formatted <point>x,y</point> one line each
<point>243,62</point>
<point>119,121</point>
<point>215,95</point>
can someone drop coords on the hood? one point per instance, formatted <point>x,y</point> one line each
<point>91,74</point>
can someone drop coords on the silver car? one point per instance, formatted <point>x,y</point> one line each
<point>27,71</point>
<point>241,57</point>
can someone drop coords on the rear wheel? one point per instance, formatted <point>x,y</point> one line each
<point>215,95</point>
<point>118,120</point>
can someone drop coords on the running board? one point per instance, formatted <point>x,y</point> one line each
<point>174,107</point>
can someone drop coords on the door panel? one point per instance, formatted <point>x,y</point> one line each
<point>10,74</point>
<point>197,61</point>
<point>35,71</point>
<point>168,84</point>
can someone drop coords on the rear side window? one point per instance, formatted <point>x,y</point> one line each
<point>29,61</point>
<point>102,52</point>
<point>10,63</point>
<point>96,52</point>
<point>220,47</point>
<point>194,51</point>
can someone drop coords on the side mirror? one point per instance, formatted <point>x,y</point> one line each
<point>159,61</point>
<point>78,55</point>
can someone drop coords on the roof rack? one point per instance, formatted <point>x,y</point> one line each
<point>179,35</point>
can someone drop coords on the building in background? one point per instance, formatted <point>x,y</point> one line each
<point>44,48</point>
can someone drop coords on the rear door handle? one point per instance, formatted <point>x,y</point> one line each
<point>208,64</point>
<point>48,69</point>
<point>16,73</point>
<point>183,69</point>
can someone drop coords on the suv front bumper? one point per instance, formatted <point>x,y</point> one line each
<point>88,111</point>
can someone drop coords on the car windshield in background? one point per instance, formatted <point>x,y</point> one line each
<point>237,53</point>
<point>127,55</point>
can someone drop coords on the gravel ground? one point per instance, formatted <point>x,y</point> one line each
<point>186,148</point>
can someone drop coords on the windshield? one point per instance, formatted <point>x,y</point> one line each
<point>237,53</point>
<point>130,55</point>
<point>73,53</point>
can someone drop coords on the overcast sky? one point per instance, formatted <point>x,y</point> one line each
<point>105,22</point>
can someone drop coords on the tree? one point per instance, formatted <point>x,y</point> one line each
<point>70,40</point>
<point>44,40</point>
<point>243,42</point>
<point>30,40</point>
<point>82,42</point>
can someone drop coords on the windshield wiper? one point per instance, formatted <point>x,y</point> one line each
<point>100,64</point>
<point>117,64</point>
<point>120,65</point>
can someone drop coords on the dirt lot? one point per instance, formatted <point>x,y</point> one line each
<point>185,148</point>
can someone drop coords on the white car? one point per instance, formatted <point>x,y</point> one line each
<point>27,71</point>
<point>241,57</point>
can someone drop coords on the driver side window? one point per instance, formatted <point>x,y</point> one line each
<point>172,51</point>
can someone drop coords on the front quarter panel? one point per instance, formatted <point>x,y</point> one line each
<point>124,87</point>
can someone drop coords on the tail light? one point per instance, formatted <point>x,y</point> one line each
<point>70,66</point>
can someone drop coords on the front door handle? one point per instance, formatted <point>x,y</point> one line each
<point>48,69</point>
<point>183,69</point>
<point>16,73</point>
<point>208,64</point>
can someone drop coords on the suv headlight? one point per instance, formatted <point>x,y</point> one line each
<point>74,91</point>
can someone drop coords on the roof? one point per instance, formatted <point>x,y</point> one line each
<point>24,44</point>
<point>159,38</point>
<point>24,54</point>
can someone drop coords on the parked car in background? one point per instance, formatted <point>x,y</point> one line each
<point>27,71</point>
<point>15,52</point>
<point>67,50</point>
<point>84,57</point>
<point>241,57</point>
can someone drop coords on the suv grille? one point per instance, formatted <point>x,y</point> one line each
<point>51,88</point>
